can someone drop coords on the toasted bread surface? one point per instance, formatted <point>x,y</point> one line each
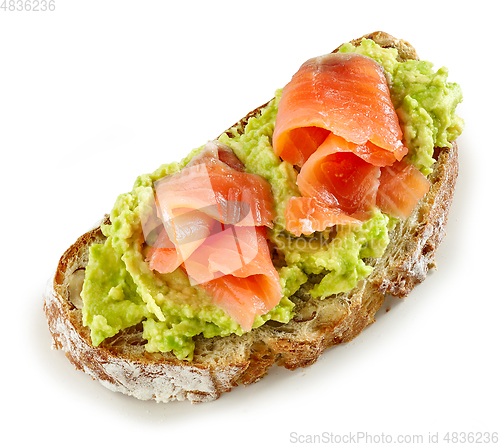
<point>220,363</point>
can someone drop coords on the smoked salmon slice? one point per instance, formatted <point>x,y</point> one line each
<point>305,215</point>
<point>402,186</point>
<point>239,251</point>
<point>210,185</point>
<point>214,217</point>
<point>338,187</point>
<point>244,298</point>
<point>250,290</point>
<point>341,93</point>
<point>338,178</point>
<point>188,229</point>
<point>337,123</point>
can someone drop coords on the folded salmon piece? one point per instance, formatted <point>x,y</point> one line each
<point>214,217</point>
<point>341,93</point>
<point>250,290</point>
<point>337,177</point>
<point>210,185</point>
<point>402,186</point>
<point>337,123</point>
<point>305,215</point>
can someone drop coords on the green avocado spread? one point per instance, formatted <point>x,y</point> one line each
<point>121,291</point>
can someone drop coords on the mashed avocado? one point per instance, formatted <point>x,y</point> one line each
<point>121,291</point>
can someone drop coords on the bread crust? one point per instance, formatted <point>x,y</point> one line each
<point>219,364</point>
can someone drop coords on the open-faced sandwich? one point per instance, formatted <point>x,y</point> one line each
<point>273,242</point>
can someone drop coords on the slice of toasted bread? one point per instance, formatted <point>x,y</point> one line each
<point>122,363</point>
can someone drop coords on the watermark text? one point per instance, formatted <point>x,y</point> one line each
<point>363,438</point>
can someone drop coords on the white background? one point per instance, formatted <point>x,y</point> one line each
<point>97,92</point>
